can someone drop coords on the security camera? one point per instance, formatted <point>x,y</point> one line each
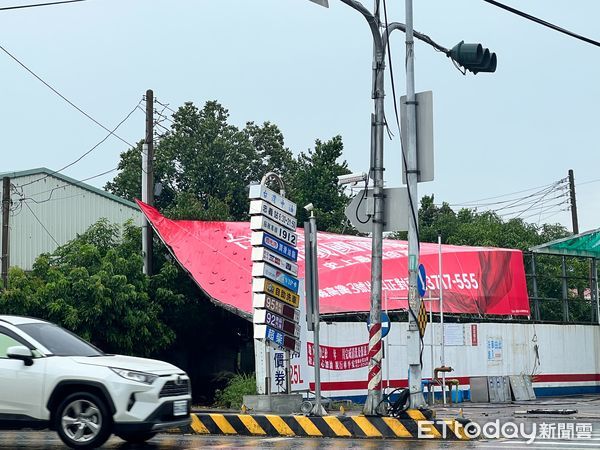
<point>352,178</point>
<point>309,207</point>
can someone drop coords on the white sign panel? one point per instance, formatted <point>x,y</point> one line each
<point>263,254</point>
<point>494,349</point>
<point>396,212</point>
<point>262,207</point>
<point>263,192</point>
<point>454,334</point>
<point>262,223</point>
<point>261,269</point>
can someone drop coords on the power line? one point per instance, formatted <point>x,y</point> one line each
<point>63,97</point>
<point>543,22</point>
<point>43,226</point>
<point>77,183</point>
<point>469,203</point>
<point>165,105</point>
<point>588,182</point>
<point>6,8</point>
<point>87,152</point>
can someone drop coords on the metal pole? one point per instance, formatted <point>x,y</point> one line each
<point>148,180</point>
<point>573,202</point>
<point>565,290</point>
<point>536,301</point>
<point>414,302</point>
<point>386,354</point>
<point>595,287</point>
<point>432,336</point>
<point>443,340</point>
<point>375,345</point>
<point>318,407</point>
<point>5,230</point>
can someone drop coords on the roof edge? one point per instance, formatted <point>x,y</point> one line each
<point>81,184</point>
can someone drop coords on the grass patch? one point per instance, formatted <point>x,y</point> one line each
<point>238,386</point>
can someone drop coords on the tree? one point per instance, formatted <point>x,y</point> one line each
<point>94,286</point>
<point>315,181</point>
<point>205,164</point>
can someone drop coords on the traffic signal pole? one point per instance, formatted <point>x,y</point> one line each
<point>376,173</point>
<point>413,343</point>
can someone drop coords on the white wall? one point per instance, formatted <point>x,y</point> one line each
<point>563,350</point>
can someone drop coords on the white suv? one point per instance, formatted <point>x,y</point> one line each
<point>50,378</point>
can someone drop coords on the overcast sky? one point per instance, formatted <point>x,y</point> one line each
<point>308,70</point>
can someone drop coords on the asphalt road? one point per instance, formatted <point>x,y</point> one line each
<point>45,440</point>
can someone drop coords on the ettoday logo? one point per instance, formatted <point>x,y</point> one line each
<point>428,429</point>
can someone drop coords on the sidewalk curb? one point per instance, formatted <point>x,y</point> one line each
<point>275,425</point>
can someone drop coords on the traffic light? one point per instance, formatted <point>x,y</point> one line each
<point>474,57</point>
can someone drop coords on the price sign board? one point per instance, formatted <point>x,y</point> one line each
<point>263,316</point>
<point>275,290</point>
<point>278,307</point>
<point>262,239</point>
<point>261,269</point>
<point>262,223</point>
<point>274,268</point>
<point>266,255</point>
<point>273,213</point>
<point>263,192</point>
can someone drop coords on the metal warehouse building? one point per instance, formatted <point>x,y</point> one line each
<point>48,209</point>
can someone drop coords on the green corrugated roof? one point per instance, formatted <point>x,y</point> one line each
<point>81,184</point>
<point>584,244</point>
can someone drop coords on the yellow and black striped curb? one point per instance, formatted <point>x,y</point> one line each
<point>411,425</point>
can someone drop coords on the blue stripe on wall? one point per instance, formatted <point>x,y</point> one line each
<point>554,391</point>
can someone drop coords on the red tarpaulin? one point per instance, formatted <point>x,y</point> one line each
<point>476,280</point>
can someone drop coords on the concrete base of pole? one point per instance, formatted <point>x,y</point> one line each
<point>274,403</point>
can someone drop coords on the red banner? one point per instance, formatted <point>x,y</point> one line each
<point>339,358</point>
<point>474,280</point>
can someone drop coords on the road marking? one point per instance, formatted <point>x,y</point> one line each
<point>398,429</point>
<point>338,427</point>
<point>281,427</point>
<point>308,426</point>
<point>251,424</point>
<point>223,424</point>
<point>366,426</point>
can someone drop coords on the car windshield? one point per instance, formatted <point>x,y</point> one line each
<point>59,341</point>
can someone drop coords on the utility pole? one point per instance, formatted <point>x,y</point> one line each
<point>148,180</point>
<point>5,229</point>
<point>472,57</point>
<point>573,202</point>
<point>375,340</point>
<point>414,301</point>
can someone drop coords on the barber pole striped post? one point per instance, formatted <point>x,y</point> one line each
<point>375,357</point>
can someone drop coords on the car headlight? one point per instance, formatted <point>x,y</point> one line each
<point>133,375</point>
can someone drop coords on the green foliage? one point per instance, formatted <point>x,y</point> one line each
<point>469,227</point>
<point>205,165</point>
<point>94,286</point>
<point>238,386</point>
<point>316,182</point>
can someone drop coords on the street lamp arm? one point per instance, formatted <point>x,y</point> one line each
<point>423,37</point>
<point>371,20</point>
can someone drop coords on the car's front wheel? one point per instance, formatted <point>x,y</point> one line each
<point>136,438</point>
<point>82,421</point>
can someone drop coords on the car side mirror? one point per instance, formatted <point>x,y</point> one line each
<point>20,352</point>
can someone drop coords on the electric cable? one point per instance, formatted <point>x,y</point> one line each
<point>6,8</point>
<point>52,190</point>
<point>63,97</point>
<point>86,153</point>
<point>476,202</point>
<point>543,22</point>
<point>43,226</point>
